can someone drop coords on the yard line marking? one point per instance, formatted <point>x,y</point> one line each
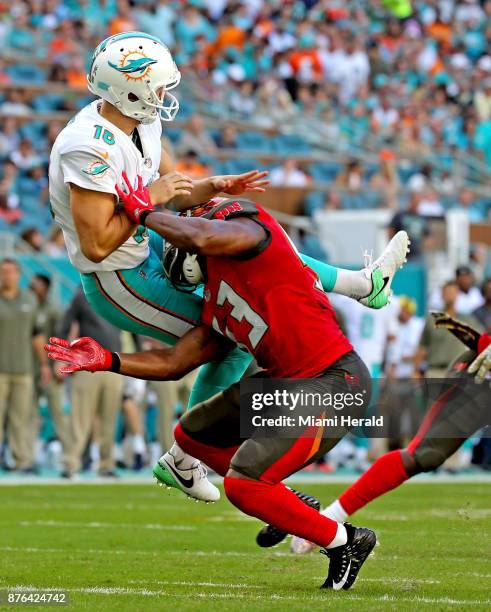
<point>225,585</point>
<point>259,597</point>
<point>97,525</point>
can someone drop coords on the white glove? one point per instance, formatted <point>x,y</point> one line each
<point>481,365</point>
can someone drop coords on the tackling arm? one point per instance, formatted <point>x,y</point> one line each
<point>200,345</point>
<point>207,237</point>
<point>194,234</point>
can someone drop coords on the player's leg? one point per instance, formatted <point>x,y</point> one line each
<point>371,285</point>
<point>254,481</point>
<point>455,415</point>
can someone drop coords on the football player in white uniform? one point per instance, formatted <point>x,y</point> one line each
<point>120,264</point>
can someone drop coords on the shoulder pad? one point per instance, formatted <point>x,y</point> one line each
<point>229,208</point>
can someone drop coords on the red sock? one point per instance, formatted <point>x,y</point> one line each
<point>385,474</point>
<point>276,504</point>
<point>216,458</point>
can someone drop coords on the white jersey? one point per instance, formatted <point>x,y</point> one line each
<point>92,153</point>
<point>367,329</point>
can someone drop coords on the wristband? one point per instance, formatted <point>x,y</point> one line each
<point>144,215</point>
<point>115,363</point>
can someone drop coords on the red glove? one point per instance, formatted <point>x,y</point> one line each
<point>136,201</point>
<point>484,342</point>
<point>81,354</point>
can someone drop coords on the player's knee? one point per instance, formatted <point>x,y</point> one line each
<point>240,490</point>
<point>409,463</point>
<point>427,459</point>
<point>233,488</point>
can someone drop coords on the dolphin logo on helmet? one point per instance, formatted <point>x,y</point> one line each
<point>140,65</point>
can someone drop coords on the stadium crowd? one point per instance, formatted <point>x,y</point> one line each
<point>401,107</point>
<point>345,101</point>
<point>97,422</point>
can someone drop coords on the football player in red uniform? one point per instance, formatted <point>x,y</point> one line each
<point>259,295</point>
<point>459,411</point>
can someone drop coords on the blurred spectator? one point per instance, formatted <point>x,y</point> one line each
<point>333,200</point>
<point>124,20</point>
<point>9,136</point>
<point>288,175</point>
<point>386,179</point>
<point>483,313</point>
<point>8,215</point>
<point>421,180</point>
<point>351,177</point>
<point>33,238</point>
<point>14,104</point>
<point>482,100</point>
<point>468,203</point>
<point>195,138</point>
<point>227,138</point>
<point>429,204</point>
<point>19,329</point>
<point>98,394</point>
<point>469,296</point>
<point>438,348</point>
<point>414,224</point>
<point>404,340</point>
<point>55,247</point>
<point>25,157</point>
<point>190,165</point>
<point>48,321</point>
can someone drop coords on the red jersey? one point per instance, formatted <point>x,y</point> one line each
<point>273,305</point>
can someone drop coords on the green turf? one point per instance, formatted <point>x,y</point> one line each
<point>141,548</point>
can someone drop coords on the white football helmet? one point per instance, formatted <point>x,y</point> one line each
<point>135,71</point>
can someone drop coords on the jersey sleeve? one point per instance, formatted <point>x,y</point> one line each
<point>93,168</point>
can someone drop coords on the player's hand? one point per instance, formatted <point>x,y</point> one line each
<point>81,354</point>
<point>481,365</point>
<point>465,333</point>
<point>237,184</point>
<point>135,201</point>
<point>169,186</point>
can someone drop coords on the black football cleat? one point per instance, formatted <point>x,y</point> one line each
<point>271,536</point>
<point>345,561</point>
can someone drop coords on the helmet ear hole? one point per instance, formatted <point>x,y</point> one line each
<point>132,97</point>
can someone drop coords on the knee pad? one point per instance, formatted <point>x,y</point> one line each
<point>427,459</point>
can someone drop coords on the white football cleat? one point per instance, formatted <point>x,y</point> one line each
<point>191,480</point>
<point>382,270</point>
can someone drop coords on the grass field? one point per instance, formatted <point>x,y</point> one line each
<point>134,547</point>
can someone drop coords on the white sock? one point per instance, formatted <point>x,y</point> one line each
<point>336,512</point>
<point>353,283</point>
<point>184,460</point>
<point>340,538</point>
<point>138,444</point>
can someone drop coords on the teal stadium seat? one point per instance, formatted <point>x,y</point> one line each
<point>291,144</point>
<point>324,172</point>
<point>254,141</point>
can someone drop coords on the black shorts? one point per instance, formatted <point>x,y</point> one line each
<point>216,422</point>
<point>460,409</point>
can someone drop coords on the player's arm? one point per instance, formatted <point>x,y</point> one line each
<point>207,188</point>
<point>100,227</point>
<point>207,237</point>
<point>200,345</point>
<point>193,234</point>
<point>91,170</point>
